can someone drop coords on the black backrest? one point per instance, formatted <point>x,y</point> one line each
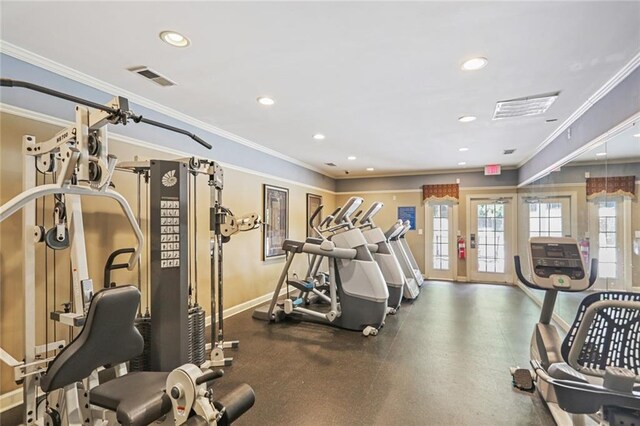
<point>613,339</point>
<point>109,336</point>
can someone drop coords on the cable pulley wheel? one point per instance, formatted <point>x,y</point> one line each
<point>93,144</point>
<point>62,210</point>
<point>38,233</point>
<point>95,172</point>
<point>51,239</point>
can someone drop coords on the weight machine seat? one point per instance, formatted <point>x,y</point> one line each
<point>138,398</point>
<point>613,339</point>
<point>109,337</point>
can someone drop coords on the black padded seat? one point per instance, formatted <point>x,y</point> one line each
<point>138,398</point>
<point>109,337</point>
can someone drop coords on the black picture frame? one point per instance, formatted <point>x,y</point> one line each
<point>313,202</point>
<point>276,220</point>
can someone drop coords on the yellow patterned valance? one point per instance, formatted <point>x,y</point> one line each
<point>624,186</point>
<point>449,192</point>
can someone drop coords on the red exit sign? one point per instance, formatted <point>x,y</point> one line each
<point>492,170</point>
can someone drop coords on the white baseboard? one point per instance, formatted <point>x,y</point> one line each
<point>234,310</point>
<point>10,399</point>
<point>13,398</point>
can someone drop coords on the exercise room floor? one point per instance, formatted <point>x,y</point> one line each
<point>443,360</point>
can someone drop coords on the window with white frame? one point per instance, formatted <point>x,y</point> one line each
<point>440,237</point>
<point>491,237</point>
<point>607,225</point>
<point>545,219</point>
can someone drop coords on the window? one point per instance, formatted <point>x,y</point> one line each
<point>607,239</point>
<point>441,237</point>
<point>545,219</point>
<point>491,250</point>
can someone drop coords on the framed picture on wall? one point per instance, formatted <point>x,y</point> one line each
<point>276,221</point>
<point>313,202</point>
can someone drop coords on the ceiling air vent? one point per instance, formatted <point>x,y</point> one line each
<point>508,151</point>
<point>149,74</point>
<point>330,164</point>
<point>524,107</point>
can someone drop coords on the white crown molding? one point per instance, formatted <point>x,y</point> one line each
<point>400,191</point>
<point>623,73</point>
<point>584,148</point>
<point>65,71</point>
<point>382,191</point>
<point>424,173</point>
<point>44,118</point>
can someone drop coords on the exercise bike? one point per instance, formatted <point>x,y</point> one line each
<point>594,371</point>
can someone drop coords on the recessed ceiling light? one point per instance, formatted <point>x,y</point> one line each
<point>601,154</point>
<point>370,169</point>
<point>318,136</point>
<point>475,64</point>
<point>462,163</point>
<point>463,149</point>
<point>637,135</point>
<point>262,100</point>
<point>175,39</point>
<point>351,157</point>
<point>466,118</point>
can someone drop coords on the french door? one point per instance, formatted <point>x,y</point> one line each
<point>608,220</point>
<point>491,240</point>
<point>440,242</point>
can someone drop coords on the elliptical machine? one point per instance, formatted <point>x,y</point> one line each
<point>412,280</point>
<point>595,370</point>
<point>357,292</point>
<point>384,256</point>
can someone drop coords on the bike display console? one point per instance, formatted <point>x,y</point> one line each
<point>556,263</point>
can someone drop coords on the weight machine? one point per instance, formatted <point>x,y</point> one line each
<point>79,161</point>
<point>175,206</point>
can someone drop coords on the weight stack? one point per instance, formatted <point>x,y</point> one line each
<point>197,340</point>
<point>143,361</point>
<point>190,330</point>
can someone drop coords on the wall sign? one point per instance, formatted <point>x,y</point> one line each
<point>408,213</point>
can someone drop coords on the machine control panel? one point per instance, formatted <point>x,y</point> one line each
<point>557,263</point>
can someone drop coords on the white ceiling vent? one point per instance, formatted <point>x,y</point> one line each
<point>524,107</point>
<point>149,74</point>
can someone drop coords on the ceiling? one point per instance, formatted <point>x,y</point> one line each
<point>622,147</point>
<point>381,80</point>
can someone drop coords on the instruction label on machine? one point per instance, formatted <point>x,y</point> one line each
<point>169,233</point>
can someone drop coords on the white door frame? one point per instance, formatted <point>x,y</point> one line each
<point>428,243</point>
<point>512,229</point>
<point>627,238</point>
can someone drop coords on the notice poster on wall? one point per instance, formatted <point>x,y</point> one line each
<point>408,213</point>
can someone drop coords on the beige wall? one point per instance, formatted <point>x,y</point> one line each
<point>246,276</point>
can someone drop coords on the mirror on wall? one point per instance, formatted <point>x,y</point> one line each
<point>593,198</point>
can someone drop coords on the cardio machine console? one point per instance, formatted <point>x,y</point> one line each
<point>556,263</point>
